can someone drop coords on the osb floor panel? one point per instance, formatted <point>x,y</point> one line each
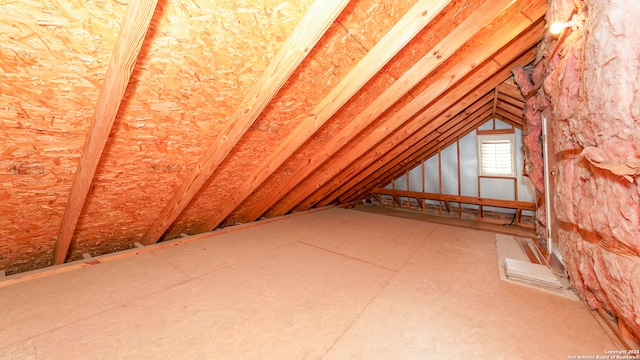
<point>333,284</point>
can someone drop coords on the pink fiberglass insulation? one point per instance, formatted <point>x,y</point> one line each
<point>591,78</point>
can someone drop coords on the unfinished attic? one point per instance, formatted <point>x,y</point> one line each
<point>318,179</point>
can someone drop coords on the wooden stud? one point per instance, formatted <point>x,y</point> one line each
<point>406,173</point>
<point>123,59</point>
<point>402,32</point>
<point>310,29</point>
<point>459,186</point>
<point>397,200</point>
<point>440,179</point>
<point>495,104</point>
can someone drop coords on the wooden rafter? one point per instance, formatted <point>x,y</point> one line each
<point>412,154</point>
<point>123,59</point>
<point>401,33</point>
<point>391,95</point>
<point>509,100</point>
<point>501,37</point>
<point>432,142</point>
<point>515,110</point>
<point>422,151</point>
<point>359,169</point>
<point>307,33</point>
<point>511,91</point>
<point>508,116</point>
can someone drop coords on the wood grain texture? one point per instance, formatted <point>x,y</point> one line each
<point>424,149</point>
<point>401,33</point>
<point>499,38</point>
<point>49,82</point>
<point>462,95</point>
<point>433,58</point>
<point>306,34</point>
<point>123,60</point>
<point>408,145</point>
<point>511,204</point>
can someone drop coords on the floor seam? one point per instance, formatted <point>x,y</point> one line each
<point>346,256</point>
<point>382,288</point>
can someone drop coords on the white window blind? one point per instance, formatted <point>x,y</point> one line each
<point>496,155</point>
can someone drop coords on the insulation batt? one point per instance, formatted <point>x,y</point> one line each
<point>592,80</point>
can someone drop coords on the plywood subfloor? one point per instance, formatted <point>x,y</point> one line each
<point>333,284</point>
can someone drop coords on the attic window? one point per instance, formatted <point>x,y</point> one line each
<point>496,155</point>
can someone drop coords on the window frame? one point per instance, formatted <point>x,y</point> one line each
<point>483,138</point>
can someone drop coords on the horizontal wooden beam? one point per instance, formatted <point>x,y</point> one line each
<point>121,64</point>
<point>496,131</point>
<point>509,204</point>
<point>318,18</point>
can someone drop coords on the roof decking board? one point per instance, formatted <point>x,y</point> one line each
<point>333,57</point>
<point>168,117</point>
<point>393,41</point>
<point>306,155</point>
<point>298,45</point>
<point>341,54</point>
<point>49,81</point>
